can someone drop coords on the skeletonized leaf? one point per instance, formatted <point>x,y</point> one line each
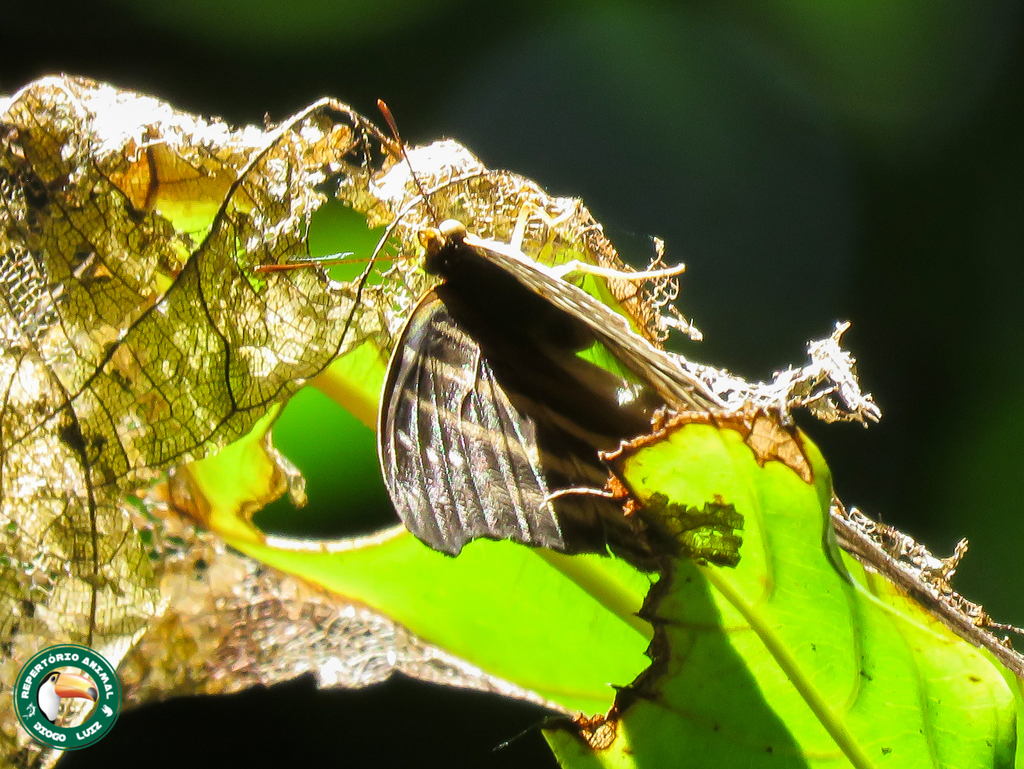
<point>230,622</point>
<point>134,334</point>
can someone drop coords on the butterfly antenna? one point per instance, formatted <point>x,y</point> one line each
<point>386,112</point>
<point>528,730</point>
<point>305,262</point>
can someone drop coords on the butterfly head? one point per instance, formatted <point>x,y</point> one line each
<point>441,244</point>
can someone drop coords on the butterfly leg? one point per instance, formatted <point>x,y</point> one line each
<point>305,262</point>
<point>583,491</point>
<point>585,268</point>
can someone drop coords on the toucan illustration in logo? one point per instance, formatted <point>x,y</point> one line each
<point>56,686</point>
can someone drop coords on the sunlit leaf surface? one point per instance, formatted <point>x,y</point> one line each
<point>515,613</point>
<point>145,356</point>
<point>798,656</point>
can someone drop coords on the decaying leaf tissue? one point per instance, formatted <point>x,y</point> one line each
<point>139,334</point>
<point>135,336</point>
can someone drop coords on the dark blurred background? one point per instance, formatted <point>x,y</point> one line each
<point>809,162</point>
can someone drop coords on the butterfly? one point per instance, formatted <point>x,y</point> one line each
<point>488,412</point>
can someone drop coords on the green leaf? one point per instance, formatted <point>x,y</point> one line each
<point>563,627</point>
<point>796,657</point>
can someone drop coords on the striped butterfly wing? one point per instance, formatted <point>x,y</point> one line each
<point>459,460</point>
<point>487,407</point>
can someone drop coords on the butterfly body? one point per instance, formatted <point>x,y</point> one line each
<point>488,408</point>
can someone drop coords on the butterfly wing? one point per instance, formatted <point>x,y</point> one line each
<point>459,460</point>
<point>679,388</point>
